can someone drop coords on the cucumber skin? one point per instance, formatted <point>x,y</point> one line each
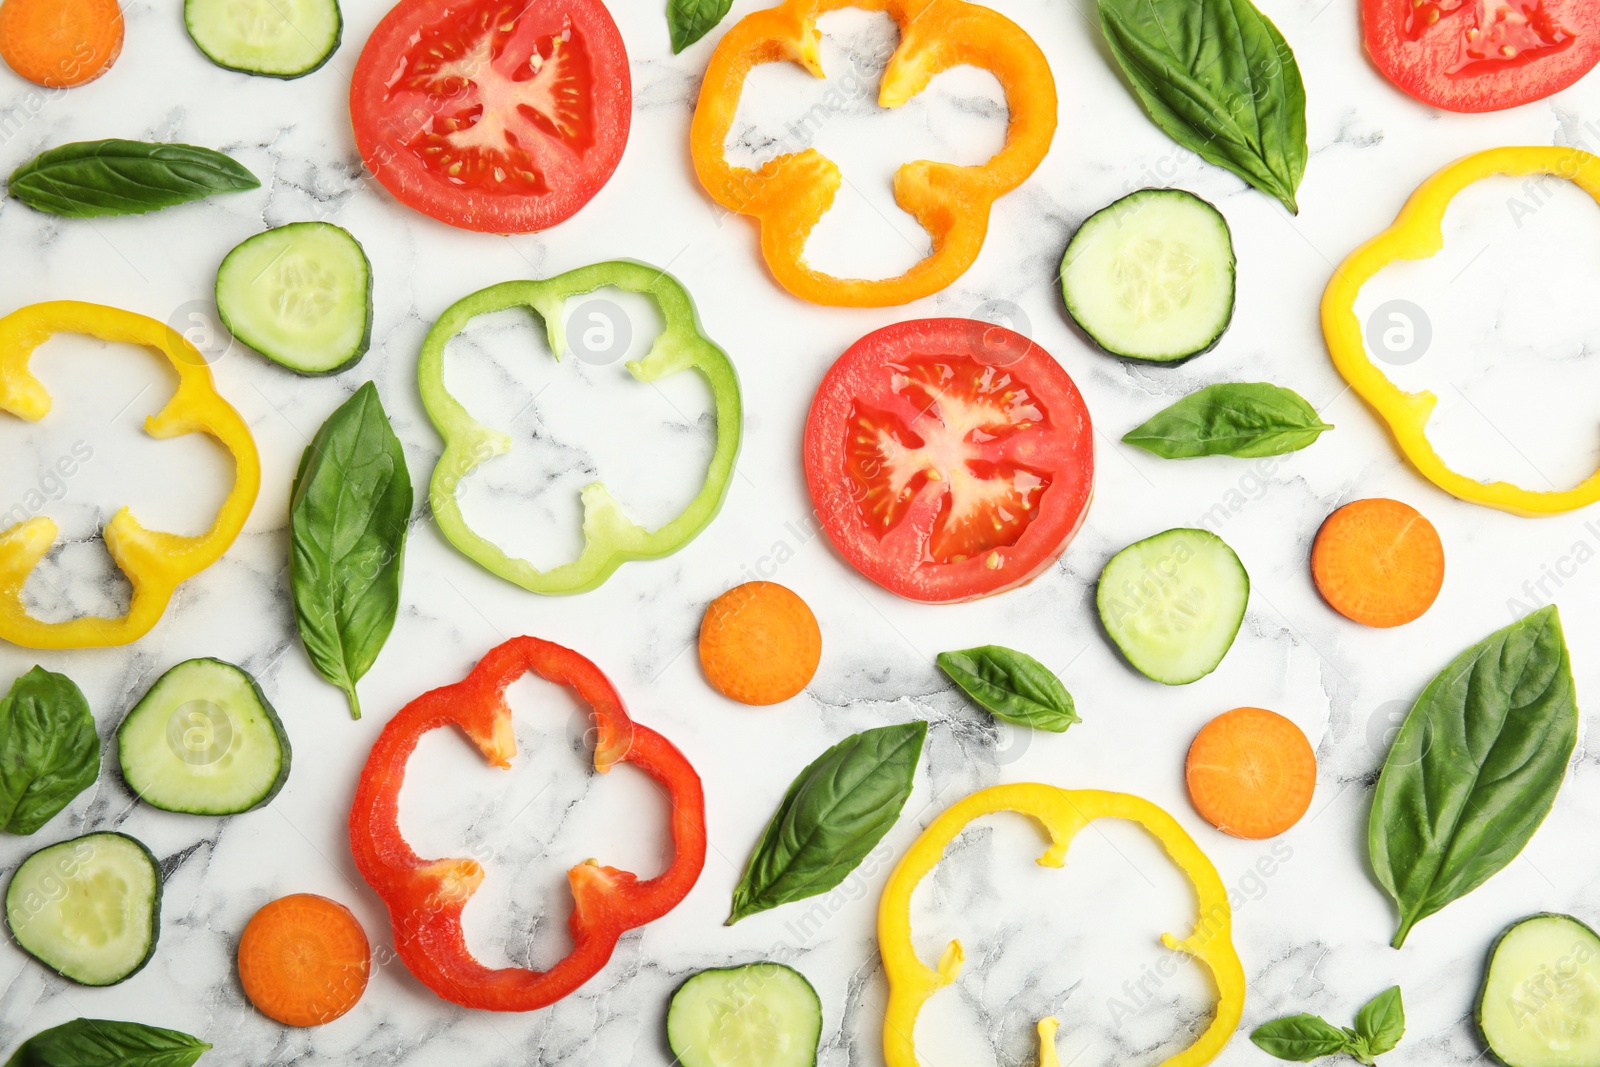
<point>366,336</point>
<point>338,39</point>
<point>1233,271</point>
<point>677,1055</point>
<point>1494,948</point>
<point>155,907</point>
<point>266,706</point>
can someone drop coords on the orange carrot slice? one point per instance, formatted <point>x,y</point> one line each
<point>759,643</point>
<point>1378,562</point>
<point>304,960</point>
<point>60,43</point>
<point>1251,773</point>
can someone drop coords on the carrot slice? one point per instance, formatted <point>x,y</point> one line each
<point>60,43</point>
<point>304,960</point>
<point>759,643</point>
<point>1378,562</point>
<point>1251,773</point>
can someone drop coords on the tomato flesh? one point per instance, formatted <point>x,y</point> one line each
<point>497,115</point>
<point>949,459</point>
<point>1482,55</point>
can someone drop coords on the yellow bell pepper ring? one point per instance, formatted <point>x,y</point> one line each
<point>1418,234</point>
<point>155,563</point>
<point>1062,813</point>
<point>790,193</point>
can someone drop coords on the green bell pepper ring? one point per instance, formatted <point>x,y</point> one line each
<point>610,537</point>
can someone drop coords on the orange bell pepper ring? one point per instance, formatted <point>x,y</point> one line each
<point>790,193</point>
<point>155,563</point>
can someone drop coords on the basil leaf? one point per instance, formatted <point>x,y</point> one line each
<point>690,20</point>
<point>107,1043</point>
<point>92,178</point>
<point>1299,1037</point>
<point>49,751</point>
<point>834,813</point>
<point>1381,1022</point>
<point>1245,419</point>
<point>1475,767</point>
<point>1219,78</point>
<point>1012,686</point>
<point>347,520</point>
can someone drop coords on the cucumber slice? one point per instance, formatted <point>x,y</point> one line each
<point>301,295</point>
<point>1151,277</point>
<point>89,908</point>
<point>1540,1001</point>
<point>273,38</point>
<point>758,1015</point>
<point>205,741</point>
<point>1173,603</point>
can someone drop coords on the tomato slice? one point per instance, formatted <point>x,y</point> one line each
<point>497,115</point>
<point>949,459</point>
<point>1482,55</point>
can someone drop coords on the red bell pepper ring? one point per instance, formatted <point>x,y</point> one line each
<point>425,897</point>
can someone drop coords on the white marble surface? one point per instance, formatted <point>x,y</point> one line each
<point>1510,329</point>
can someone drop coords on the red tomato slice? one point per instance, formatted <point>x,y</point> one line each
<point>1482,55</point>
<point>498,115</point>
<point>949,459</point>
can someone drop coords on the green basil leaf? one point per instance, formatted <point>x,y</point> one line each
<point>835,812</point>
<point>1219,78</point>
<point>92,178</point>
<point>1245,419</point>
<point>1012,686</point>
<point>347,519</point>
<point>107,1043</point>
<point>690,20</point>
<point>1355,1046</point>
<point>1299,1037</point>
<point>1475,767</point>
<point>49,751</point>
<point>1381,1022</point>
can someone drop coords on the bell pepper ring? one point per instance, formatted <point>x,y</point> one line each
<point>1062,813</point>
<point>790,193</point>
<point>1418,234</point>
<point>155,563</point>
<point>425,897</point>
<point>611,538</point>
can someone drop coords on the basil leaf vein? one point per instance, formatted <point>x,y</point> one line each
<point>348,520</point>
<point>833,815</point>
<point>1011,685</point>
<point>1245,419</point>
<point>49,751</point>
<point>1381,1022</point>
<point>115,177</point>
<point>1475,768</point>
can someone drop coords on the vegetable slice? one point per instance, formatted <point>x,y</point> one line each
<point>204,740</point>
<point>273,38</point>
<point>1173,603</point>
<point>1219,78</point>
<point>610,537</point>
<point>835,812</point>
<point>1011,685</point>
<point>1151,277</point>
<point>92,178</point>
<point>49,751</point>
<point>1244,419</point>
<point>1251,773</point>
<point>108,1043</point>
<point>1378,562</point>
<point>759,644</point>
<point>58,44</point>
<point>349,514</point>
<point>304,960</point>
<point>88,908</point>
<point>762,1014</point>
<point>1475,768</point>
<point>1539,1005</point>
<point>301,295</point>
